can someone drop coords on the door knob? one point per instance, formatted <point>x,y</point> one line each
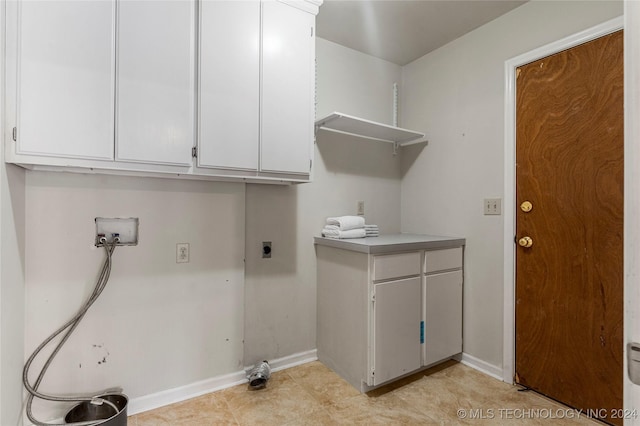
<point>526,206</point>
<point>525,242</point>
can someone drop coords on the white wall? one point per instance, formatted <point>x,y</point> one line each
<point>11,271</point>
<point>158,324</point>
<point>281,291</point>
<point>456,95</point>
<point>632,198</point>
<point>12,312</point>
<point>12,202</point>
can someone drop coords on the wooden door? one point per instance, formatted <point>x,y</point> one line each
<point>569,166</point>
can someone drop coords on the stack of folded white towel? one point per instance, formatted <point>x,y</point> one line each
<point>344,227</point>
<point>371,230</point>
<point>348,227</point>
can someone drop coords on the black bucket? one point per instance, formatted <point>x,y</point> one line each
<point>88,412</point>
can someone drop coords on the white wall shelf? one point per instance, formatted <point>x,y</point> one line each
<point>347,124</point>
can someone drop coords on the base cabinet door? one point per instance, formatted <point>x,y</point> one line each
<point>443,322</point>
<point>396,329</point>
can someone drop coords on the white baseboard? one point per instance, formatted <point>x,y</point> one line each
<point>480,365</point>
<point>171,396</point>
<point>291,360</point>
<point>193,390</point>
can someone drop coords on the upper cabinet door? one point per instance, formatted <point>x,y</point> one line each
<point>156,81</point>
<point>288,54</point>
<point>66,78</point>
<point>229,84</point>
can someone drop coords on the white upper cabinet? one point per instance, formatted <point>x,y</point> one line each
<point>229,84</point>
<point>256,86</point>
<point>288,81</point>
<point>132,86</point>
<point>156,81</point>
<point>66,79</point>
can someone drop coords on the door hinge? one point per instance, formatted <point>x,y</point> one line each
<point>310,164</point>
<point>194,152</point>
<point>373,297</point>
<point>15,134</point>
<point>311,31</point>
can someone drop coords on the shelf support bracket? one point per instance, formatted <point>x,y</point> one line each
<point>395,104</point>
<point>320,125</point>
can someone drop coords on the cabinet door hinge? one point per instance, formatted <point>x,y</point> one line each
<point>311,31</point>
<point>15,134</point>
<point>194,152</point>
<point>373,297</point>
<point>310,164</point>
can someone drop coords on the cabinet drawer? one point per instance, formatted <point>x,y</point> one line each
<point>442,260</point>
<point>396,265</point>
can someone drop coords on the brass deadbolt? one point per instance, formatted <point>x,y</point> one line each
<point>526,206</point>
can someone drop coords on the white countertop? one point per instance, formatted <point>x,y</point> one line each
<point>392,243</point>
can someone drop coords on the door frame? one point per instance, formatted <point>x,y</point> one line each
<point>608,27</point>
<point>631,189</point>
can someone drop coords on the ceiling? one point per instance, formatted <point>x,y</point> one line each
<point>401,31</point>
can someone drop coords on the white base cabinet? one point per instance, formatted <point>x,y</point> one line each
<point>388,306</point>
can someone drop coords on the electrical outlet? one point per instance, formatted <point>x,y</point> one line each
<point>492,206</point>
<point>266,249</point>
<point>182,253</point>
<point>360,208</point>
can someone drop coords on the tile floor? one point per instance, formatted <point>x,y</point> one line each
<point>311,394</point>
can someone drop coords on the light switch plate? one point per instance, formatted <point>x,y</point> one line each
<point>492,206</point>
